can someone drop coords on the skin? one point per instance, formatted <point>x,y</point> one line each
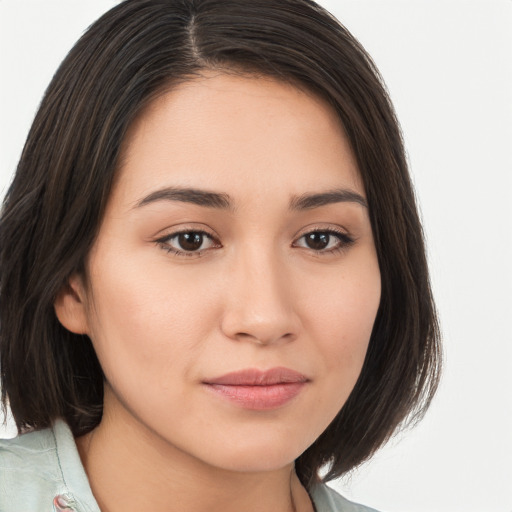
<point>255,296</point>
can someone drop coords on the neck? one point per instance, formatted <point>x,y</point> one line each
<point>157,476</point>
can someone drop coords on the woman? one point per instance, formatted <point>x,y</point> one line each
<point>212,268</point>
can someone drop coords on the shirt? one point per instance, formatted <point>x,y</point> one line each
<point>41,471</point>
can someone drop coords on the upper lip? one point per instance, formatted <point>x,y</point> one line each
<point>255,377</point>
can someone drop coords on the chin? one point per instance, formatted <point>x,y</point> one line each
<point>253,456</point>
<point>254,463</point>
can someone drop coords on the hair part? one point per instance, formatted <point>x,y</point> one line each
<point>53,209</point>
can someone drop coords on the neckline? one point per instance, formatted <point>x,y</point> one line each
<point>77,483</point>
<point>71,467</point>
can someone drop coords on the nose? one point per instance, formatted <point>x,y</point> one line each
<point>260,303</point>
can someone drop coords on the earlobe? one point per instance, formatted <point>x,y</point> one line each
<point>70,305</point>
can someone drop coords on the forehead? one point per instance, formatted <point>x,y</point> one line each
<point>237,132</point>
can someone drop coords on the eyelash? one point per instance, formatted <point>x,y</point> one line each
<point>345,241</point>
<point>164,242</point>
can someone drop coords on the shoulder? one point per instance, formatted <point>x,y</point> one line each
<point>328,500</point>
<point>30,470</point>
<point>39,466</point>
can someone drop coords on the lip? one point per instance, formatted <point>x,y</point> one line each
<point>258,390</point>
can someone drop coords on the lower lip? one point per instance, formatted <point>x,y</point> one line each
<point>259,398</point>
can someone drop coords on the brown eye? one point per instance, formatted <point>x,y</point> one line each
<point>326,242</point>
<point>317,241</point>
<point>190,241</point>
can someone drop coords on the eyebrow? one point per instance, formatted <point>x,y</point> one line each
<point>188,195</point>
<point>315,200</point>
<point>223,201</point>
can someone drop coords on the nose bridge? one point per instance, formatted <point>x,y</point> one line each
<point>260,306</point>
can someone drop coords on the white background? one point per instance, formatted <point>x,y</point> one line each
<point>448,66</point>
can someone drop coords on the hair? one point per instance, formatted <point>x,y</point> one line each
<point>53,208</point>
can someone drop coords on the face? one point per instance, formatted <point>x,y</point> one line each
<point>233,286</point>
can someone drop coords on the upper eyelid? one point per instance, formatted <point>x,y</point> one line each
<point>167,233</point>
<point>332,230</point>
<point>301,233</point>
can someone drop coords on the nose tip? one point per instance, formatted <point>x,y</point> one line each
<point>260,308</point>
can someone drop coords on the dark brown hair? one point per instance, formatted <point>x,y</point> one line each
<point>53,209</point>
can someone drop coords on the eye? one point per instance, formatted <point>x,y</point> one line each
<point>325,241</point>
<point>187,243</point>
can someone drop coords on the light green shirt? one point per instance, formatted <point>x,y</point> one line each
<point>41,472</point>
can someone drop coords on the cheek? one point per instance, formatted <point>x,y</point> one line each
<point>148,323</point>
<point>343,309</point>
<point>351,318</point>
<point>341,320</point>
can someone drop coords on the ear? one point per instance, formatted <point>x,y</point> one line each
<point>70,305</point>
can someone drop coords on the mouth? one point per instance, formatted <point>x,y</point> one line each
<point>258,390</point>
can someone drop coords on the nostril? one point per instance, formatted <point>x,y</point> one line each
<point>264,338</point>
